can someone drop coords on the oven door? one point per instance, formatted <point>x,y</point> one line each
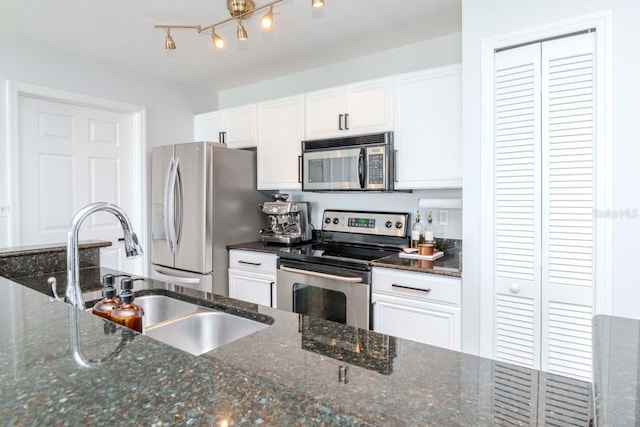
<point>330,293</point>
<point>340,169</point>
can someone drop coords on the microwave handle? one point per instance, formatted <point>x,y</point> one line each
<point>300,169</point>
<point>362,166</point>
<point>395,165</point>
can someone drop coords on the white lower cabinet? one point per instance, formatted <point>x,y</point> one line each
<point>252,277</point>
<point>417,306</point>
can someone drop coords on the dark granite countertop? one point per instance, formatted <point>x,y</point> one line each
<point>448,265</point>
<point>47,248</point>
<point>286,374</point>
<point>271,248</point>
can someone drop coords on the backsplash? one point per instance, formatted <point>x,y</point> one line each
<point>391,202</point>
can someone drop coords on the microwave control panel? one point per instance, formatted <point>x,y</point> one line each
<point>378,223</point>
<point>376,169</point>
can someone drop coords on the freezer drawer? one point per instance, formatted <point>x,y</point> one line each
<point>187,279</point>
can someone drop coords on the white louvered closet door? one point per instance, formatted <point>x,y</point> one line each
<point>517,202</point>
<point>568,204</point>
<point>544,187</point>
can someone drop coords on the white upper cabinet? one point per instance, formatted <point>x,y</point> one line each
<point>280,133</point>
<point>207,126</point>
<point>235,127</point>
<point>428,128</point>
<point>354,109</point>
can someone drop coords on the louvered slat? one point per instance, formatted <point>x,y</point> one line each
<point>565,402</point>
<point>514,395</point>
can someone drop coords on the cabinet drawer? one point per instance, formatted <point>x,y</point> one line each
<point>253,261</point>
<point>420,286</point>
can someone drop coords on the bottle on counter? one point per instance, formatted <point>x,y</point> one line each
<point>109,299</point>
<point>128,314</point>
<point>417,232</point>
<point>428,234</point>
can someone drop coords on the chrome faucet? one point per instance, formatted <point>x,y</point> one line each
<point>73,294</point>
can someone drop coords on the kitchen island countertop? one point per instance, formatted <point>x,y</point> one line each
<point>286,374</point>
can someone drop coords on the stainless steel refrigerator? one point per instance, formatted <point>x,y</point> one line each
<point>204,198</point>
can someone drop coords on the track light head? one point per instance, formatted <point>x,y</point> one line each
<point>317,3</point>
<point>267,19</point>
<point>218,42</point>
<point>241,32</point>
<point>169,44</point>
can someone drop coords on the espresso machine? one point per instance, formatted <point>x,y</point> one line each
<point>288,221</point>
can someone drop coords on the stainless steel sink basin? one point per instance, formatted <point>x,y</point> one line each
<point>160,308</point>
<point>202,332</point>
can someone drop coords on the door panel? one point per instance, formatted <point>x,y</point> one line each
<point>160,249</point>
<point>71,156</point>
<point>192,161</point>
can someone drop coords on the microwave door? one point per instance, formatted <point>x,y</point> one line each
<point>333,170</point>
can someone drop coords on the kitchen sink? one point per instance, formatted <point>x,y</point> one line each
<point>160,308</point>
<point>201,332</point>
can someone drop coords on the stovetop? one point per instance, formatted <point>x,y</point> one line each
<point>339,254</point>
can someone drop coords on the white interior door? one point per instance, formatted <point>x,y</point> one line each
<point>71,156</point>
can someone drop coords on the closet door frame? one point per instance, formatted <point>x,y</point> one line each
<point>603,277</point>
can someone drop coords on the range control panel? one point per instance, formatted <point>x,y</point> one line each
<point>365,222</point>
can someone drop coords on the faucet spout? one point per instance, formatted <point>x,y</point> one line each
<point>73,293</point>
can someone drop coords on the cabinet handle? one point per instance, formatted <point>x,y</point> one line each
<point>395,285</point>
<point>343,372</point>
<point>271,292</point>
<point>224,137</point>
<point>220,137</point>
<point>346,122</point>
<point>340,121</point>
<point>395,165</point>
<point>257,264</point>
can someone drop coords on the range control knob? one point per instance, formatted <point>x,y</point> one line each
<point>388,224</point>
<point>335,220</point>
<point>327,220</point>
<point>398,224</point>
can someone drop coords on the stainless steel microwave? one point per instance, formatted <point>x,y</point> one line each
<point>358,163</point>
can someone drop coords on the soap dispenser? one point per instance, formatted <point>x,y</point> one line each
<point>128,314</point>
<point>109,300</point>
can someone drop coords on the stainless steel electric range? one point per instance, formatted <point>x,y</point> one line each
<point>331,279</point>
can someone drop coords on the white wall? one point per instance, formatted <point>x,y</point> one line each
<point>488,18</point>
<point>391,202</point>
<point>170,106</point>
<point>426,54</point>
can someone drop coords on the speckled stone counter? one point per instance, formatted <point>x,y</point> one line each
<point>22,261</point>
<point>286,374</point>
<point>448,265</point>
<point>271,248</point>
<point>616,371</point>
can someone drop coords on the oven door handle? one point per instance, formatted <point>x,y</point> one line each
<point>323,275</point>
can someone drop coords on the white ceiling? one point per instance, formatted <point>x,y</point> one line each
<point>121,31</point>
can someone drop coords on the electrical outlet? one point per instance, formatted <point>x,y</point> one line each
<point>5,209</point>
<point>443,216</point>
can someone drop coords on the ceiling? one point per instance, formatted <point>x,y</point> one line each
<point>302,38</point>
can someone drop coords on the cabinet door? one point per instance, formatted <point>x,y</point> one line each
<point>280,133</point>
<point>325,111</point>
<point>369,107</point>
<point>207,126</point>
<point>240,126</point>
<point>251,287</point>
<point>428,128</point>
<point>428,323</point>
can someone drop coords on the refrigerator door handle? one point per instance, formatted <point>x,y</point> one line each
<point>172,206</point>
<point>180,207</point>
<point>175,279</point>
<point>167,206</point>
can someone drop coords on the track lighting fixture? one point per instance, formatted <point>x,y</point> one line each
<point>239,10</point>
